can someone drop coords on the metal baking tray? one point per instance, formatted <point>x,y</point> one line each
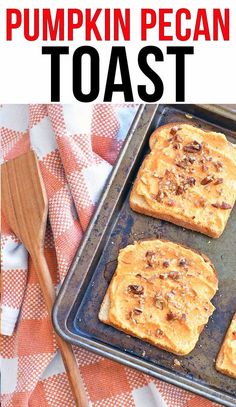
<point>115,225</point>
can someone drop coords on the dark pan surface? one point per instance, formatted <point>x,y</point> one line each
<point>76,311</point>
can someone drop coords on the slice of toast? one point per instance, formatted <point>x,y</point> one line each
<point>189,178</point>
<point>226,360</point>
<point>161,293</point>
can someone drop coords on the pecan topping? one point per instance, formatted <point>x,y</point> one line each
<point>223,205</point>
<point>180,190</point>
<point>207,180</point>
<point>166,263</point>
<point>183,262</point>
<point>191,159</point>
<point>163,276</point>
<point>159,332</point>
<point>190,181</point>
<point>176,146</point>
<point>174,316</point>
<point>170,202</point>
<point>174,130</point>
<point>160,196</point>
<point>182,164</point>
<point>218,166</point>
<point>174,275</point>
<point>234,334</point>
<point>159,301</point>
<point>171,316</point>
<point>193,147</point>
<point>218,181</point>
<point>150,258</point>
<point>168,173</point>
<point>135,289</point>
<point>186,160</point>
<point>137,311</point>
<point>204,167</point>
<point>134,313</point>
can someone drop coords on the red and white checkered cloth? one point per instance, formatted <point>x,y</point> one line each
<point>76,147</point>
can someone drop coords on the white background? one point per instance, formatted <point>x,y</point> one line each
<point>210,72</point>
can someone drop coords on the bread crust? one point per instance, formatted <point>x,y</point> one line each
<point>105,306</point>
<point>138,203</point>
<point>220,357</point>
<point>159,215</point>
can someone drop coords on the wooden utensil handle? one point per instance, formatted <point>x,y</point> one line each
<point>67,354</point>
<point>74,377</point>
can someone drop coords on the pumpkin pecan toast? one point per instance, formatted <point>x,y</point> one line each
<point>189,178</point>
<point>161,292</point>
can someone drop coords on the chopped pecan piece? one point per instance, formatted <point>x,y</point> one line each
<point>218,166</point>
<point>182,164</point>
<point>159,301</point>
<point>159,332</point>
<point>191,159</point>
<point>207,180</point>
<point>193,147</point>
<point>137,311</point>
<point>150,258</point>
<point>176,146</point>
<point>234,335</point>
<point>223,205</point>
<point>174,130</point>
<point>190,181</point>
<point>168,173</point>
<point>174,275</point>
<point>163,276</point>
<point>186,160</point>
<point>131,316</point>
<point>218,181</point>
<point>174,316</point>
<point>136,289</point>
<point>171,316</point>
<point>205,167</point>
<point>180,190</point>
<point>183,262</point>
<point>166,263</point>
<point>170,202</point>
<point>160,196</point>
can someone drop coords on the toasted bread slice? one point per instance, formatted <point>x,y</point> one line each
<point>161,293</point>
<point>226,360</point>
<point>189,178</point>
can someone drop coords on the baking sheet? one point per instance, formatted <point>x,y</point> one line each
<point>114,226</point>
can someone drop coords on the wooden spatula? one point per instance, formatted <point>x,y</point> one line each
<point>25,205</point>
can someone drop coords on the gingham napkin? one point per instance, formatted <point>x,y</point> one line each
<point>76,147</point>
